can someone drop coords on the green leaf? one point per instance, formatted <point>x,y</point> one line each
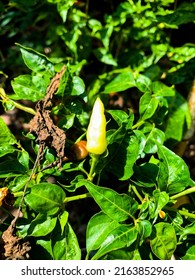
<point>145,175</point>
<point>46,244</point>
<point>29,87</point>
<point>18,183</point>
<point>104,56</point>
<point>160,200</point>
<point>78,86</point>
<point>45,197</point>
<point>173,175</point>
<point>123,151</point>
<point>119,116</point>
<point>148,105</point>
<point>163,241</point>
<point>118,207</point>
<point>6,137</point>
<point>41,225</point>
<point>143,83</point>
<point>23,158</point>
<point>189,229</point>
<point>63,7</point>
<point>121,82</point>
<point>190,254</point>
<point>145,229</point>
<point>65,246</point>
<point>122,236</point>
<point>178,120</point>
<point>63,219</point>
<point>6,149</point>
<point>153,139</point>
<point>184,13</point>
<point>160,89</point>
<point>66,83</point>
<point>11,168</point>
<point>36,61</point>
<point>98,228</point>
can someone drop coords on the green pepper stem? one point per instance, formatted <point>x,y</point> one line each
<point>137,193</point>
<point>5,98</point>
<point>76,197</point>
<point>92,168</point>
<point>186,192</point>
<point>182,212</point>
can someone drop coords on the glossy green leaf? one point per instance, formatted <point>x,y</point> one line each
<point>118,207</point>
<point>63,219</point>
<point>121,82</point>
<point>104,56</point>
<point>148,106</point>
<point>183,14</point>
<point>145,175</point>
<point>189,229</point>
<point>119,116</point>
<point>122,236</point>
<point>45,197</point>
<point>18,183</point>
<point>173,175</point>
<point>6,149</point>
<point>163,241</point>
<point>179,117</point>
<point>160,89</point>
<point>98,228</point>
<point>11,168</point>
<point>153,139</point>
<point>63,8</point>
<point>190,254</point>
<point>66,83</point>
<point>144,229</point>
<point>66,245</point>
<point>41,225</point>
<point>23,158</point>
<point>143,83</point>
<point>36,61</point>
<point>29,88</point>
<point>78,86</point>
<point>46,245</point>
<point>160,200</point>
<point>6,137</point>
<point>123,151</point>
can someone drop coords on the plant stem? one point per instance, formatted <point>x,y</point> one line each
<point>188,191</point>
<point>76,197</point>
<point>182,212</point>
<point>92,168</point>
<point>137,193</point>
<point>5,99</point>
<point>137,124</point>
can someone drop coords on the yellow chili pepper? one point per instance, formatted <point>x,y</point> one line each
<point>96,132</point>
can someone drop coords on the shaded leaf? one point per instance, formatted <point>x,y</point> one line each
<point>41,225</point>
<point>65,245</point>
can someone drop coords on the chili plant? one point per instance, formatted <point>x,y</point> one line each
<point>87,179</point>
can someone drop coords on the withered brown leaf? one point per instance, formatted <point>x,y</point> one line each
<point>48,134</point>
